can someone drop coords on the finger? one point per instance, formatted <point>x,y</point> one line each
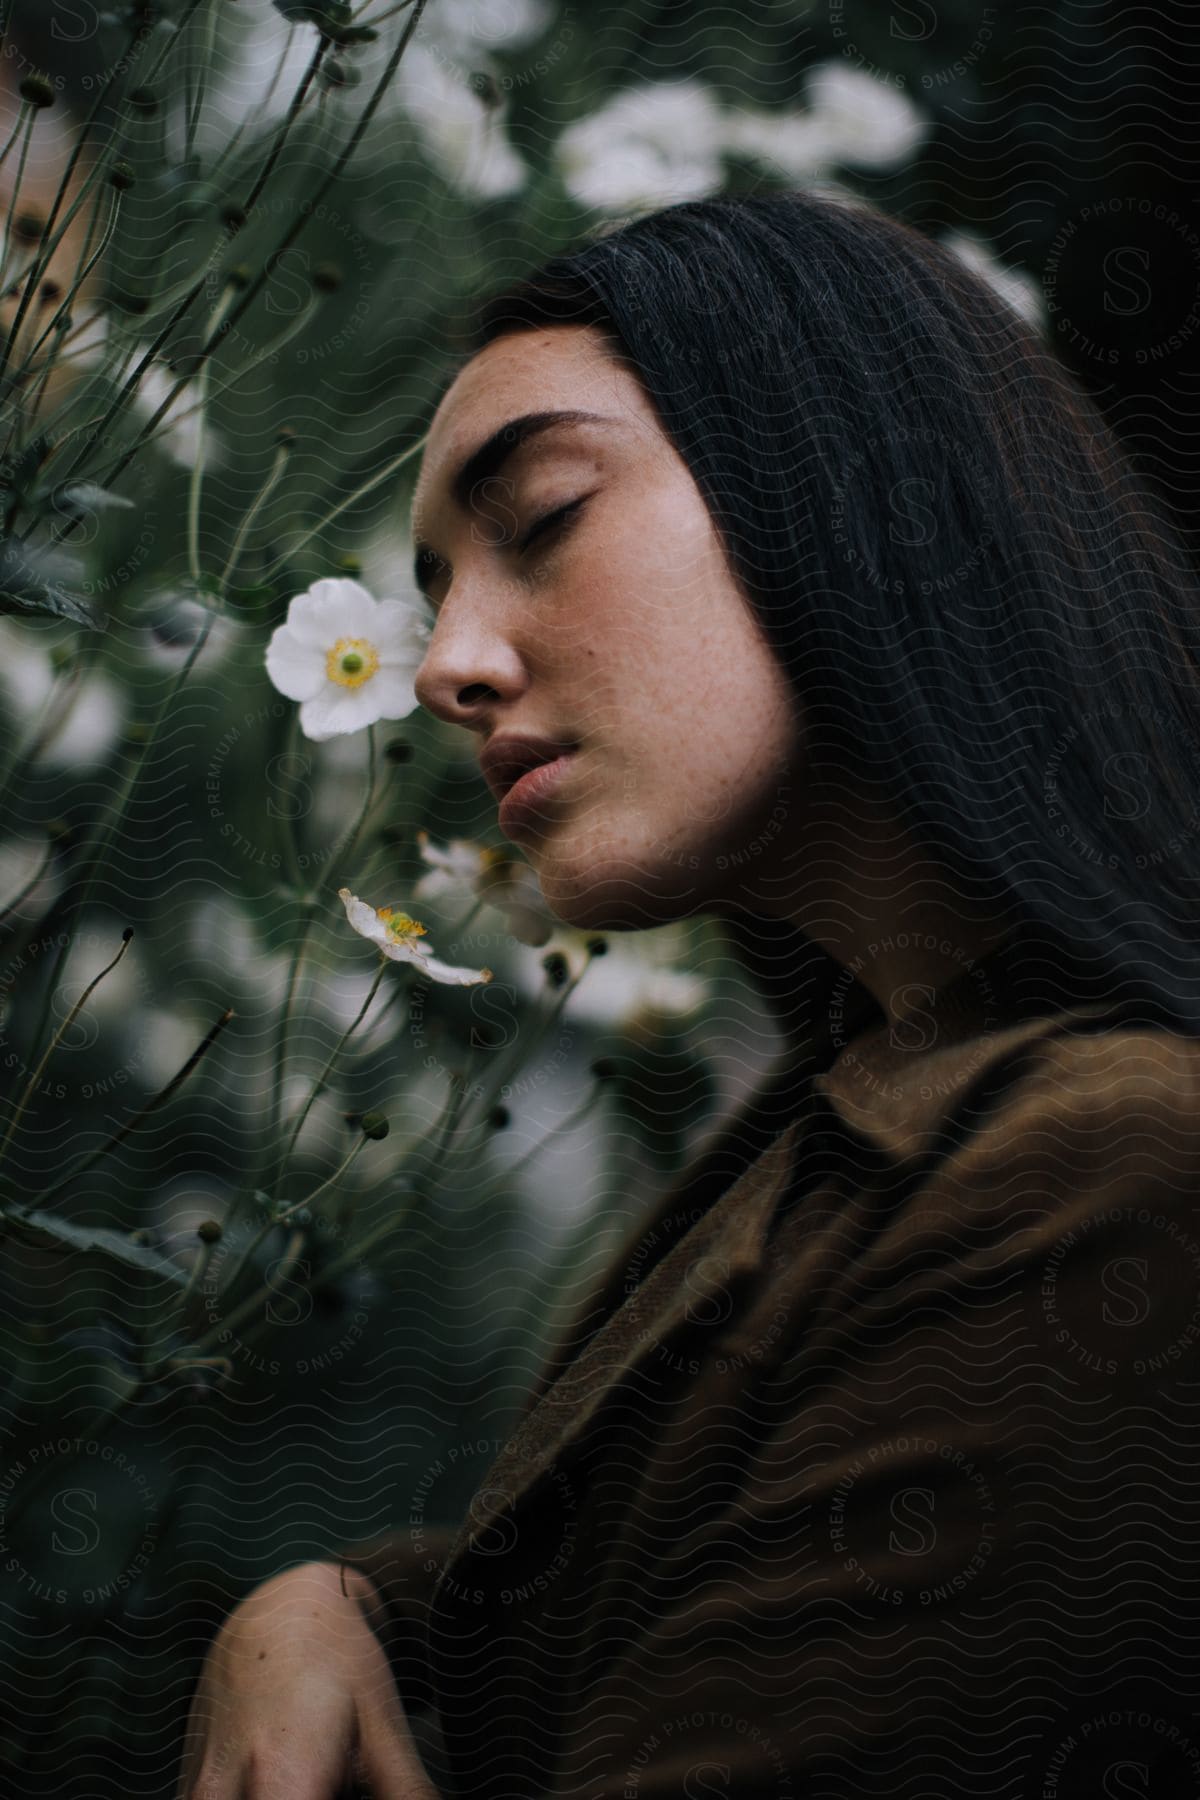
<point>210,1775</point>
<point>388,1763</point>
<point>209,1771</point>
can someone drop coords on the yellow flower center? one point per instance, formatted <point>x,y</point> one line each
<point>400,928</point>
<point>351,662</point>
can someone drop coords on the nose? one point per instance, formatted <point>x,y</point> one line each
<point>469,669</point>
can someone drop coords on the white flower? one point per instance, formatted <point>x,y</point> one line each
<point>1020,290</point>
<point>463,136</point>
<point>486,874</point>
<point>865,121</point>
<point>461,865</point>
<point>348,658</point>
<point>398,937</point>
<point>473,25</point>
<point>650,145</point>
<point>795,143</point>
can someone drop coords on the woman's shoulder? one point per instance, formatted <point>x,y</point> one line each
<point>1083,1089</point>
<point>973,1083</point>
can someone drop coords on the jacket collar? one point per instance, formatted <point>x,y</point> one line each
<point>897,1084</point>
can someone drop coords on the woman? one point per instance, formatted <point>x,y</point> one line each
<point>828,607</point>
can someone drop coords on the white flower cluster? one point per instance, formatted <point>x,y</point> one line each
<point>666,141</point>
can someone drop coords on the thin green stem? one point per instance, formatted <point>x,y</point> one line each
<point>573,1118</point>
<point>255,1299</point>
<point>93,859</point>
<point>31,116</point>
<point>383,17</point>
<point>318,1086</point>
<point>50,717</point>
<point>152,431</point>
<point>306,537</point>
<point>228,149</point>
<point>125,64</point>
<point>272,1165</point>
<point>305,212</point>
<point>32,1084</point>
<point>12,136</point>
<point>274,476</point>
<point>152,1105</point>
<point>23,895</point>
<point>349,1259</point>
<point>196,105</point>
<point>355,1150</point>
<point>196,483</point>
<point>346,847</point>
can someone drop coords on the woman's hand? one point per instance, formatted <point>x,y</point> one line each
<point>296,1698</point>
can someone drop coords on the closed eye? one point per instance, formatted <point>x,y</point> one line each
<point>550,521</point>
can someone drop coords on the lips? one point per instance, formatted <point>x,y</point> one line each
<point>505,759</point>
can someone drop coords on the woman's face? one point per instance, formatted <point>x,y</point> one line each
<point>618,629</point>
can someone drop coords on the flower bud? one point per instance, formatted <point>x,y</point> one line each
<point>37,90</point>
<point>557,968</point>
<point>374,1125</point>
<point>209,1231</point>
<point>336,74</point>
<point>238,276</point>
<point>121,176</point>
<point>499,1117</point>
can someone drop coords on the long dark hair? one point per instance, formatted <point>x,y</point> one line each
<point>974,597</point>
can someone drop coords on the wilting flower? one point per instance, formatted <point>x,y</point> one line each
<point>398,937</point>
<point>486,874</point>
<point>348,658</point>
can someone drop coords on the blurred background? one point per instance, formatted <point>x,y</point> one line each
<point>1045,144</point>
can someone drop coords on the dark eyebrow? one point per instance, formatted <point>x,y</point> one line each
<point>489,459</point>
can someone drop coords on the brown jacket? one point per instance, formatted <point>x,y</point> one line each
<point>877,1474</point>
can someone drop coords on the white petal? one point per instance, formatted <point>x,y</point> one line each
<point>331,608</point>
<point>438,881</point>
<point>391,694</point>
<point>294,668</point>
<point>364,918</point>
<point>450,976</point>
<point>330,713</point>
<point>401,632</point>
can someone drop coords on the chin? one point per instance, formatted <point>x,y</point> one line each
<point>611,896</point>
